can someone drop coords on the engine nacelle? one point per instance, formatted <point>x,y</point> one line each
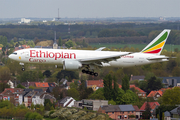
<point>71,65</point>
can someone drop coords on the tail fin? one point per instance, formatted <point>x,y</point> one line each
<point>156,46</point>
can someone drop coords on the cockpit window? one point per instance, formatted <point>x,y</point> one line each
<point>14,53</point>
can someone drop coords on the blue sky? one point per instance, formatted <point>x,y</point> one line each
<point>89,8</point>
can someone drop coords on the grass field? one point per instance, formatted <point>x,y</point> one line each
<point>168,47</point>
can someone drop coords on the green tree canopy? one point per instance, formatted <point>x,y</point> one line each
<point>98,94</point>
<point>73,93</point>
<point>69,43</point>
<point>171,96</point>
<point>125,83</point>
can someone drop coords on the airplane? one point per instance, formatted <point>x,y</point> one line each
<point>89,60</point>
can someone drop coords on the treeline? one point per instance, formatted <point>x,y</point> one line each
<point>123,30</point>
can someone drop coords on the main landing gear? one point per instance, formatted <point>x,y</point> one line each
<point>22,64</point>
<point>90,72</point>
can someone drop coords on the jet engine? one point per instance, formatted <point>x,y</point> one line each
<point>71,65</point>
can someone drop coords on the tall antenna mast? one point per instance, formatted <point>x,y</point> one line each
<point>54,36</point>
<point>58,15</point>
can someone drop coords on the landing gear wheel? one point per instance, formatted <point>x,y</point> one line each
<point>91,73</point>
<point>87,72</point>
<point>23,69</point>
<point>95,74</point>
<point>83,71</point>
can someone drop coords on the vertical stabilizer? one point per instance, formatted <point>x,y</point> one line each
<point>156,46</point>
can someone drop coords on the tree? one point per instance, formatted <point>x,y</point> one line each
<point>125,83</point>
<point>119,97</point>
<point>163,108</point>
<point>147,113</point>
<point>115,89</point>
<point>154,83</point>
<point>84,92</point>
<point>98,94</point>
<point>73,93</point>
<point>129,97</point>
<point>70,74</point>
<point>59,41</point>
<point>108,91</point>
<point>47,73</point>
<point>5,73</point>
<point>69,43</point>
<point>20,86</point>
<point>171,96</point>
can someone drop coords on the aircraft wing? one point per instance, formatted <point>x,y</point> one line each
<point>100,49</point>
<point>105,59</point>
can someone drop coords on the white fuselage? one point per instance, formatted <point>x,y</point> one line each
<point>57,56</point>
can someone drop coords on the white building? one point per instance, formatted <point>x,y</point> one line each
<point>24,20</point>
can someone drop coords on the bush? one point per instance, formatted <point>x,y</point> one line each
<point>88,116</point>
<point>57,113</point>
<point>77,115</point>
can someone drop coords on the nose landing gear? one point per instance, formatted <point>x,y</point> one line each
<point>22,64</point>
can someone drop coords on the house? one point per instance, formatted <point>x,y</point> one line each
<point>78,104</point>
<point>11,94</point>
<point>137,77</point>
<point>27,84</point>
<point>40,97</point>
<point>175,113</point>
<point>41,85</point>
<point>153,106</point>
<point>36,99</point>
<point>93,104</point>
<point>94,84</point>
<point>155,94</point>
<point>167,115</point>
<point>171,81</point>
<point>138,112</point>
<point>120,111</point>
<point>139,92</point>
<point>28,98</point>
<point>66,102</point>
<point>52,84</point>
<point>49,89</point>
<point>11,84</point>
<point>25,92</point>
<point>22,47</point>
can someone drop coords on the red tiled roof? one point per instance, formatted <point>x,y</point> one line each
<point>137,88</point>
<point>98,83</point>
<point>136,108</point>
<point>13,90</point>
<point>153,93</point>
<point>42,84</point>
<point>152,105</point>
<point>164,89</point>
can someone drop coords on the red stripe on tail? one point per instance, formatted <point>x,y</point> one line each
<point>154,51</point>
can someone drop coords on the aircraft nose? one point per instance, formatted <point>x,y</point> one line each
<point>10,56</point>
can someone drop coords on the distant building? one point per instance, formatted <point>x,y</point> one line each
<point>137,77</point>
<point>22,47</point>
<point>94,84</point>
<point>153,106</point>
<point>24,20</point>
<point>118,112</point>
<point>66,102</point>
<point>171,81</point>
<point>78,104</point>
<point>93,104</point>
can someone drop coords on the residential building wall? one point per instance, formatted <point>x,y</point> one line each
<point>93,104</point>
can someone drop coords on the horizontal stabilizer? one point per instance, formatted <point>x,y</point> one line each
<point>158,57</point>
